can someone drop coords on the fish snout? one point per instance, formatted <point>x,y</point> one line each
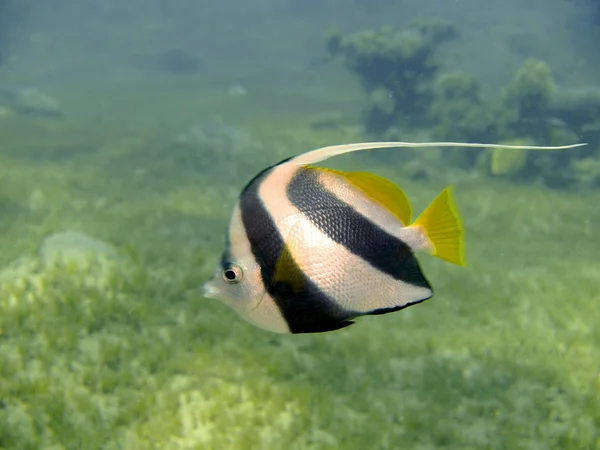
<point>209,290</point>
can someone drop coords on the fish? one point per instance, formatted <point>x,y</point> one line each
<point>310,249</point>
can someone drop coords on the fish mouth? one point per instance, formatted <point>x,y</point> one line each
<point>209,290</point>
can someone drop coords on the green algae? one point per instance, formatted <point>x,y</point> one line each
<point>126,354</point>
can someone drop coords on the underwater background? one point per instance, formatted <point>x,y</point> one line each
<point>127,130</point>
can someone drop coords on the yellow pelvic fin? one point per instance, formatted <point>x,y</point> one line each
<point>380,190</point>
<point>288,272</point>
<point>443,227</point>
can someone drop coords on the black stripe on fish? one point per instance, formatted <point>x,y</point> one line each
<point>307,311</point>
<point>359,235</point>
<point>396,308</point>
<point>226,255</point>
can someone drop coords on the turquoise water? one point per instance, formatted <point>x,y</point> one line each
<point>112,216</point>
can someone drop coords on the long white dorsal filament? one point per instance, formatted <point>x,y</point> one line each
<point>321,154</point>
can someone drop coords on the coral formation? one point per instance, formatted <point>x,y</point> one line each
<point>396,67</point>
<point>459,114</point>
<point>408,90</point>
<point>531,89</point>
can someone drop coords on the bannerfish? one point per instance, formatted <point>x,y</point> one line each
<point>310,249</point>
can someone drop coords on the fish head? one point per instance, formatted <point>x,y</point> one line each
<point>237,283</point>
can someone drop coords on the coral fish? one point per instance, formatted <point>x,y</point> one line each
<point>309,249</point>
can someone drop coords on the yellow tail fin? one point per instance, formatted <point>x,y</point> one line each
<point>443,228</point>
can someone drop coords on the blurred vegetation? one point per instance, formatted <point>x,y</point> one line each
<point>110,223</point>
<point>408,90</point>
<point>395,67</point>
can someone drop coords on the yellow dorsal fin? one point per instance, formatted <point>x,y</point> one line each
<point>384,192</point>
<point>380,190</point>
<point>443,227</point>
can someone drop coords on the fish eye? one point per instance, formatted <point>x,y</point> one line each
<point>233,274</point>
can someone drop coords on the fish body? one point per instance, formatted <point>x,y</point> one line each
<point>310,249</point>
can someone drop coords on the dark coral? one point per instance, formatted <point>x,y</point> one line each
<point>397,68</point>
<point>407,87</point>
